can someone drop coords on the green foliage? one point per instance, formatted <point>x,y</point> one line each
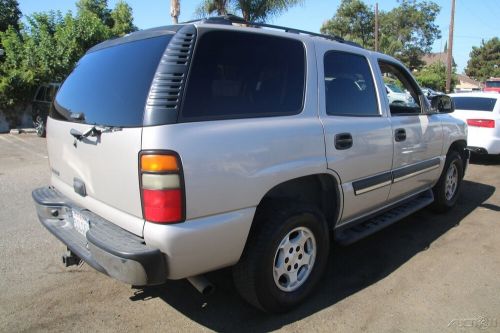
<point>484,61</point>
<point>353,21</point>
<point>250,10</point>
<point>434,76</point>
<point>9,14</point>
<point>411,24</point>
<point>122,19</point>
<point>48,46</point>
<point>406,32</point>
<point>97,7</point>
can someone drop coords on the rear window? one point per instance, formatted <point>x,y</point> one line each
<point>493,84</point>
<point>242,75</point>
<point>474,103</point>
<point>110,86</point>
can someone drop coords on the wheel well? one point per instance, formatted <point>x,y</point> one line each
<point>320,190</point>
<point>459,146</point>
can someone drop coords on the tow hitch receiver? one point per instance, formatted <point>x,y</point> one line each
<point>70,259</point>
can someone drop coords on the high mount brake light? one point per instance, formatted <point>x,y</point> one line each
<point>161,187</point>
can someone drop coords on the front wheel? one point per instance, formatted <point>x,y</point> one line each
<point>285,256</point>
<point>447,189</point>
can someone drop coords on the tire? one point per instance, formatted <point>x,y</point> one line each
<point>279,228</point>
<point>447,189</point>
<point>40,126</point>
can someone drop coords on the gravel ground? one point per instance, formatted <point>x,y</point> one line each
<point>428,273</point>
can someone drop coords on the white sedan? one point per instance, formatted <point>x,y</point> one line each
<point>481,111</point>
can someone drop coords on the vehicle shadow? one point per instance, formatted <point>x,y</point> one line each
<point>485,159</point>
<point>351,269</point>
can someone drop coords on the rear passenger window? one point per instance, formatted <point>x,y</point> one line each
<point>240,75</point>
<point>349,88</point>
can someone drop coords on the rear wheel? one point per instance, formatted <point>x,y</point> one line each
<point>447,190</point>
<point>285,256</point>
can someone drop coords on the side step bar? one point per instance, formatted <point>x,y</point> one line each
<point>359,231</point>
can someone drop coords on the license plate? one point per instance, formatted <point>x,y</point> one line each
<point>80,222</point>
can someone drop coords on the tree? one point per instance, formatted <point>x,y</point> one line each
<point>122,19</point>
<point>484,61</point>
<point>434,76</point>
<point>98,8</point>
<point>251,10</point>
<point>9,14</point>
<point>47,46</point>
<point>354,21</point>
<point>209,7</point>
<point>411,25</point>
<point>406,32</point>
<point>175,10</point>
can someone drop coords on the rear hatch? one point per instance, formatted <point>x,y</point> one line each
<point>107,92</point>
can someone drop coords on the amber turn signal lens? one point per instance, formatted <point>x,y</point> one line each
<point>159,163</point>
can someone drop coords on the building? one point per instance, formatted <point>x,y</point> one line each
<point>465,83</point>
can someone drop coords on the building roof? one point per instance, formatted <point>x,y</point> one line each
<point>465,79</point>
<point>432,58</point>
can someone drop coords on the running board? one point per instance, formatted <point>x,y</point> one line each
<point>359,231</point>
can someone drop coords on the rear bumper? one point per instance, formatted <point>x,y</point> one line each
<point>105,247</point>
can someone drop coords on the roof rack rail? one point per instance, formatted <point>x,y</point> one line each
<point>229,19</point>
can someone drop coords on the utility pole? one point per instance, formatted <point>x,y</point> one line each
<point>175,10</point>
<point>450,49</point>
<point>376,26</point>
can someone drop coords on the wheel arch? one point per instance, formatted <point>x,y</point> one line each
<point>322,190</point>
<point>460,146</point>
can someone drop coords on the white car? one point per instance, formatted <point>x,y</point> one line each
<point>481,111</point>
<point>397,96</point>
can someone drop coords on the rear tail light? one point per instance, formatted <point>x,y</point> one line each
<point>488,123</point>
<point>161,187</point>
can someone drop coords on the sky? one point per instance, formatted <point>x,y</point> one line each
<point>474,19</point>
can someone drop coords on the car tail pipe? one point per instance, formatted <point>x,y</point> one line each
<point>201,284</point>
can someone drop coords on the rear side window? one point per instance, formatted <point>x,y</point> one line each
<point>349,88</point>
<point>474,103</point>
<point>240,75</point>
<point>110,86</point>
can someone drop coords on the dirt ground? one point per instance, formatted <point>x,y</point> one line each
<point>427,273</point>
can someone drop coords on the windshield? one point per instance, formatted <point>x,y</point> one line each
<point>493,84</point>
<point>395,88</point>
<point>110,86</point>
<point>474,103</point>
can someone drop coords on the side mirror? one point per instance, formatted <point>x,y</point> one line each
<point>442,104</point>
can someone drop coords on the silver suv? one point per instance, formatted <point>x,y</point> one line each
<point>180,150</point>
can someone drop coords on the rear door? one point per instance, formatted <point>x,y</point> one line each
<point>358,137</point>
<point>107,90</point>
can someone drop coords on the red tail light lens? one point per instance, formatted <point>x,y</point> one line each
<point>162,206</point>
<point>488,123</point>
<point>161,187</point>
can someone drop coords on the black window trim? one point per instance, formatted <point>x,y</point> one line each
<point>377,97</point>
<point>201,31</point>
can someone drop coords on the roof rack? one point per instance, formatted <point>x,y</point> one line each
<point>229,19</point>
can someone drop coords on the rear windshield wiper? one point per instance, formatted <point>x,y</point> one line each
<point>94,131</point>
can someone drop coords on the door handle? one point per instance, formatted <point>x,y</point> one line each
<point>343,141</point>
<point>400,135</point>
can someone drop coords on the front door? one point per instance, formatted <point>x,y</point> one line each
<point>417,135</point>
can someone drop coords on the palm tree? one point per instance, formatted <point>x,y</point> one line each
<point>175,10</point>
<point>251,10</point>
